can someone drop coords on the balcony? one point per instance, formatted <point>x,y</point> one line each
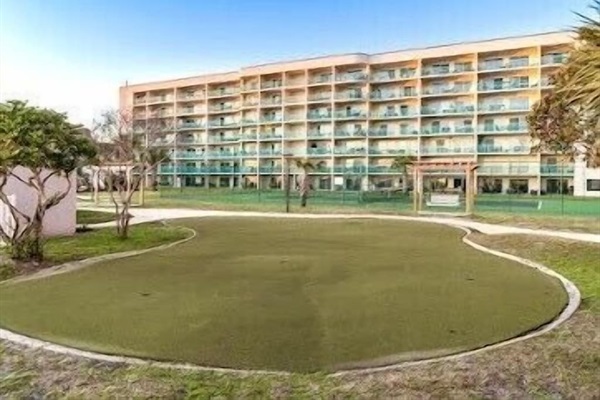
<point>394,114</point>
<point>384,133</point>
<point>508,128</point>
<point>190,96</point>
<point>447,130</point>
<point>320,80</point>
<point>162,114</point>
<point>224,139</point>
<point>248,153</point>
<point>443,150</point>
<point>383,169</point>
<point>187,155</point>
<point>501,64</point>
<point>453,109</point>
<point>225,108</point>
<point>360,133</point>
<point>223,92</point>
<point>159,99</point>
<point>390,76</point>
<point>502,108</point>
<point>318,116</point>
<point>269,136</point>
<point>271,119</point>
<point>271,102</point>
<point>249,137</point>
<point>496,149</point>
<point>445,70</point>
<point>320,98</point>
<point>294,100</point>
<point>318,151</point>
<point>190,125</point>
<point>354,169</point>
<point>555,59</point>
<point>212,155</point>
<point>294,118</point>
<point>350,151</point>
<point>351,77</point>
<point>249,103</point>
<point>270,152</point>
<point>503,86</point>
<point>190,140</point>
<point>375,151</point>
<point>139,100</point>
<point>271,85</point>
<point>349,115</point>
<point>445,90</point>
<point>557,170</point>
<point>190,111</point>
<point>223,124</point>
<point>140,115</point>
<point>248,122</point>
<point>318,135</point>
<point>250,87</point>
<point>508,169</point>
<point>273,169</point>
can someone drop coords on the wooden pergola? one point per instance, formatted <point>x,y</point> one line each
<point>422,167</point>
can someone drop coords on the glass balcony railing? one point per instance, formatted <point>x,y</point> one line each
<point>271,102</point>
<point>320,97</point>
<point>318,135</point>
<point>453,109</point>
<point>271,119</point>
<point>555,59</point>
<point>248,121</point>
<point>498,149</point>
<point>435,150</point>
<point>271,85</point>
<point>350,114</point>
<point>223,92</point>
<point>273,169</point>
<point>383,169</point>
<point>350,134</point>
<point>375,151</point>
<point>190,96</point>
<point>350,169</point>
<point>504,64</point>
<point>270,152</point>
<point>445,70</point>
<point>557,170</point>
<point>222,139</point>
<point>250,87</point>
<point>351,77</point>
<point>187,111</point>
<point>249,137</point>
<point>492,86</point>
<point>388,76</point>
<point>516,128</point>
<point>250,103</point>
<point>319,116</point>
<point>403,113</point>
<point>190,125</point>
<point>508,169</point>
<point>503,107</point>
<point>294,118</point>
<point>160,99</point>
<point>223,108</point>
<point>190,140</point>
<point>223,124</point>
<point>349,151</point>
<point>221,154</point>
<point>350,96</point>
<point>446,130</point>
<point>187,155</point>
<point>442,90</point>
<point>139,100</point>
<point>320,79</point>
<point>270,136</point>
<point>382,96</point>
<point>316,151</point>
<point>248,153</point>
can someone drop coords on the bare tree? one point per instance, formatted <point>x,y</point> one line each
<point>125,158</point>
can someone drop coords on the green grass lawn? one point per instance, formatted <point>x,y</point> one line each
<point>88,217</point>
<point>299,295</point>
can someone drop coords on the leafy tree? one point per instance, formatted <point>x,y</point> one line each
<point>125,159</point>
<point>567,121</point>
<point>402,164</point>
<point>45,143</point>
<point>305,165</point>
<point>156,156</point>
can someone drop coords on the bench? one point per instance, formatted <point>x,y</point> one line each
<point>443,200</point>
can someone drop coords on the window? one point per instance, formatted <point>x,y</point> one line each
<point>488,125</point>
<point>498,83</point>
<point>593,185</point>
<point>518,186</point>
<point>435,127</point>
<point>519,82</point>
<point>404,109</point>
<point>462,66</point>
<point>389,110</point>
<point>468,123</point>
<point>391,74</point>
<point>519,103</point>
<point>409,90</point>
<point>518,61</point>
<point>493,63</point>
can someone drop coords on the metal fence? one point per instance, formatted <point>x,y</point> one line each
<point>392,201</point>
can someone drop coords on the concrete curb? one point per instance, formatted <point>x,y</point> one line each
<point>574,299</point>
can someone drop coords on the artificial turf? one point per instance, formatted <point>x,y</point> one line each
<point>298,295</point>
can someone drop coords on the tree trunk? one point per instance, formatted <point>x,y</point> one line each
<point>304,188</point>
<point>123,222</point>
<point>404,183</point>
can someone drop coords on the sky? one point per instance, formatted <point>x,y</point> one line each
<point>72,55</point>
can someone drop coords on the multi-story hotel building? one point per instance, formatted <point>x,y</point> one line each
<point>352,114</point>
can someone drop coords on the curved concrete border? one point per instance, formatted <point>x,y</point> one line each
<point>574,299</point>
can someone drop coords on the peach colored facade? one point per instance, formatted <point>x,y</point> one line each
<point>352,114</point>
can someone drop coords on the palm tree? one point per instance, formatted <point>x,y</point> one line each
<point>155,157</point>
<point>305,165</point>
<point>402,163</point>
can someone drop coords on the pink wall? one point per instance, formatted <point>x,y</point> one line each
<point>59,220</point>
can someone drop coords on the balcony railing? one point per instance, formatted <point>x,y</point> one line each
<point>456,109</point>
<point>221,154</point>
<point>434,150</point>
<point>446,130</point>
<point>271,85</point>
<point>139,100</point>
<point>553,59</point>
<point>387,77</point>
<point>557,170</point>
<point>430,71</point>
<point>223,108</point>
<point>320,97</point>
<point>314,116</point>
<point>492,86</point>
<point>394,114</point>
<point>191,140</point>
<point>350,96</point>
<point>320,79</point>
<point>248,153</point>
<point>190,125</point>
<point>270,136</point>
<point>222,139</point>
<point>318,135</point>
<point>160,99</point>
<point>250,87</point>
<point>382,96</point>
<point>350,134</point>
<point>516,128</point>
<point>498,149</point>
<point>502,107</point>
<point>381,133</point>
<point>271,120</point>
<point>223,92</point>
<point>508,169</point>
<point>503,64</point>
<point>187,155</point>
<point>350,115</point>
<point>223,124</point>
<point>441,90</point>
<point>316,151</point>
<point>351,77</point>
<point>190,96</point>
<point>248,121</point>
<point>274,169</point>
<point>375,151</point>
<point>349,151</point>
<point>270,152</point>
<point>354,169</point>
<point>382,169</point>
<point>271,102</point>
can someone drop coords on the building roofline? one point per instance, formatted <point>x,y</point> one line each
<point>470,42</point>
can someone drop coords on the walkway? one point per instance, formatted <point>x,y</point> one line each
<point>158,214</point>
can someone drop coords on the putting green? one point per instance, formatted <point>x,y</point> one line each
<point>296,295</point>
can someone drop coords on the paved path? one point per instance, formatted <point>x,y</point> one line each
<point>158,214</point>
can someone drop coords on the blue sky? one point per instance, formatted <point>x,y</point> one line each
<point>73,55</point>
